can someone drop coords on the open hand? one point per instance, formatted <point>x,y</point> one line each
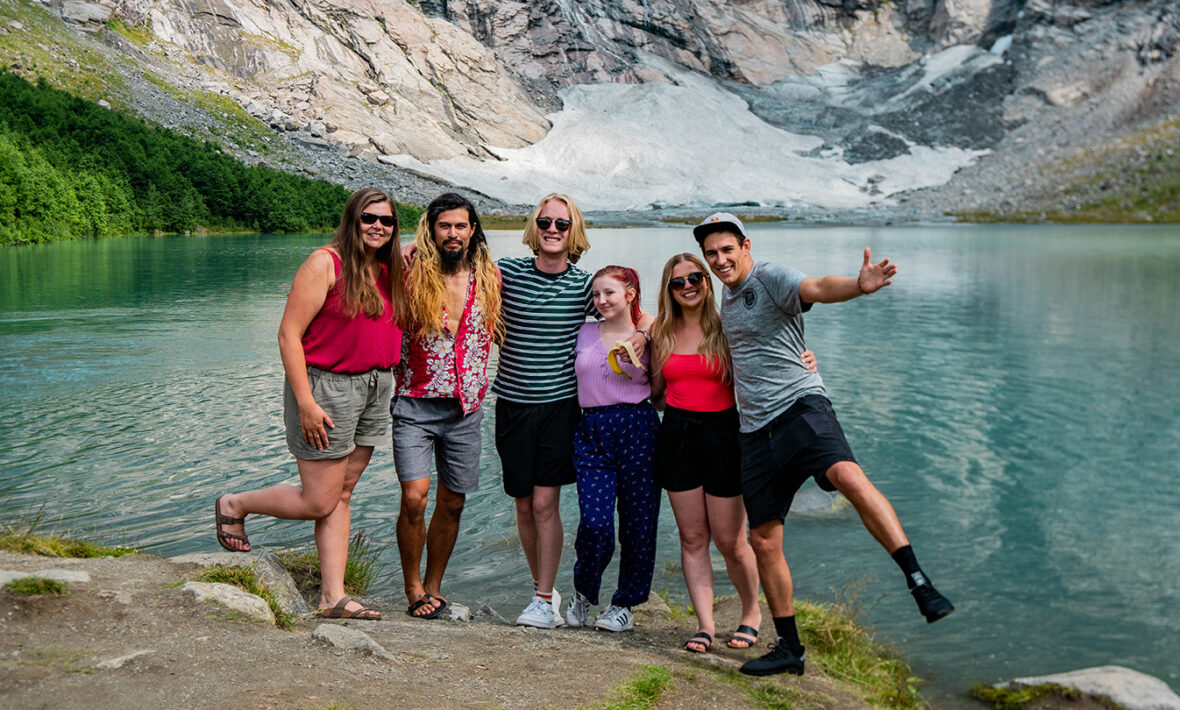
<point>874,277</point>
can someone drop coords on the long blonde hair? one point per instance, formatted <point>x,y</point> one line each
<point>427,283</point>
<point>359,293</point>
<point>578,244</point>
<point>713,346</point>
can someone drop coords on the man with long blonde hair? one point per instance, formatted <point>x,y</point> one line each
<point>455,315</point>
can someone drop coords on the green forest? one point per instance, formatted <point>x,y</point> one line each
<point>71,169</point>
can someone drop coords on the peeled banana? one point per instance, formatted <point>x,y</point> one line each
<point>612,358</point>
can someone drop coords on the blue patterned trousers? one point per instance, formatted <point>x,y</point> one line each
<point>614,453</point>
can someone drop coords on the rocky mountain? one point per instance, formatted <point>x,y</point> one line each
<point>953,98</point>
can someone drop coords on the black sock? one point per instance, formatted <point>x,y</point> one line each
<point>784,626</point>
<point>905,559</point>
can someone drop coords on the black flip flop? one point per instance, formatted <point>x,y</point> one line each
<point>701,638</point>
<point>443,604</point>
<point>745,643</point>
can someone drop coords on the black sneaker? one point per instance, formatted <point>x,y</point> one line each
<point>933,605</point>
<point>779,660</point>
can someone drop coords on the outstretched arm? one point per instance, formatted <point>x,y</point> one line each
<point>835,289</point>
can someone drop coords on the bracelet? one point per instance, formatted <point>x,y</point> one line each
<point>859,287</point>
<point>646,337</point>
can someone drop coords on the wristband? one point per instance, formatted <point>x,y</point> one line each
<point>646,337</point>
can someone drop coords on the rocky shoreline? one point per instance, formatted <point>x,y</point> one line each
<point>138,631</point>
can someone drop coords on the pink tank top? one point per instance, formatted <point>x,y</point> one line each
<point>692,385</point>
<point>339,343</point>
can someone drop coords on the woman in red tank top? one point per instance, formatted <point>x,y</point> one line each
<point>339,340</point>
<point>697,453</point>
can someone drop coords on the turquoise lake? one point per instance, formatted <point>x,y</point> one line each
<point>1015,394</point>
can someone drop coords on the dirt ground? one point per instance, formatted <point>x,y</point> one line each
<point>205,655</point>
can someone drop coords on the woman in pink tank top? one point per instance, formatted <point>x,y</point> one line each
<point>697,453</point>
<point>339,340</point>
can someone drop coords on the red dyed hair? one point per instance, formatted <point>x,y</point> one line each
<point>629,278</point>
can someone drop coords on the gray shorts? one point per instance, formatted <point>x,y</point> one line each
<point>356,404</point>
<point>423,426</point>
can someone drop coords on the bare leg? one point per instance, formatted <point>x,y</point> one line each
<point>526,529</point>
<point>767,541</point>
<point>873,507</point>
<point>411,536</point>
<point>727,520</point>
<point>550,536</point>
<point>332,531</point>
<point>693,523</point>
<point>440,540</point>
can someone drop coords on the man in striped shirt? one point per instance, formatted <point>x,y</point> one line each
<point>546,298</point>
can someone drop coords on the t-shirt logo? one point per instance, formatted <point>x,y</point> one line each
<point>749,298</point>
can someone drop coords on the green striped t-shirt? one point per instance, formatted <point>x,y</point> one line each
<point>542,315</point>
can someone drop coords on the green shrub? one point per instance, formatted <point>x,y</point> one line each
<point>36,585</point>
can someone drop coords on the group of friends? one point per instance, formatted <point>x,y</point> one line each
<point>374,330</point>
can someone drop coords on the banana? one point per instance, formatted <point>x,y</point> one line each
<point>612,358</point>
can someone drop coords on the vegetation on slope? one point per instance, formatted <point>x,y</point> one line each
<point>70,169</point>
<point>1135,179</point>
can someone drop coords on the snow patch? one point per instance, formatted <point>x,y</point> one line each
<point>692,143</point>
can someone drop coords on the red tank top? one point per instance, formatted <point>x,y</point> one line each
<point>693,385</point>
<point>339,343</point>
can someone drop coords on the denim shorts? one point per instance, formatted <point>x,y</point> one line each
<point>357,404</point>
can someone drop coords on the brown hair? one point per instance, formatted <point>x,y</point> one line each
<point>359,293</point>
<point>578,244</point>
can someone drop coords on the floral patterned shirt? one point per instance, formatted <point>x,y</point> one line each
<point>445,365</point>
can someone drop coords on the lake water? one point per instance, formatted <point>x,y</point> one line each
<point>1014,393</point>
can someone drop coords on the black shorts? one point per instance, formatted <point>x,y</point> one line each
<point>802,442</point>
<point>696,449</point>
<point>536,444</point>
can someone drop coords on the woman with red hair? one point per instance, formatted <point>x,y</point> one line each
<point>614,450</point>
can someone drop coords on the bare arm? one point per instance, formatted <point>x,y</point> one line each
<point>639,340</point>
<point>308,292</point>
<point>656,379</point>
<point>836,289</point>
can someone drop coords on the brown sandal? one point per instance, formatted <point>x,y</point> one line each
<point>340,612</point>
<point>223,537</point>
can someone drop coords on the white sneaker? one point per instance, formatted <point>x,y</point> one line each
<point>578,613</point>
<point>538,613</point>
<point>615,618</point>
<point>557,608</point>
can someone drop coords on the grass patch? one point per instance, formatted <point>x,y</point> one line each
<point>61,657</point>
<point>640,692</point>
<point>243,578</point>
<point>1031,696</point>
<point>847,652</point>
<point>139,36</point>
<point>26,543</point>
<point>44,47</point>
<point>772,695</point>
<point>496,221</point>
<point>1132,180</point>
<point>676,611</point>
<point>27,586</point>
<point>359,572</point>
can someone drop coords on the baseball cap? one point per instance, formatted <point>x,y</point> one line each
<point>714,222</point>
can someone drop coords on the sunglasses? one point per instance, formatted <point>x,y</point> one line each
<point>387,220</point>
<point>679,282</point>
<point>544,222</point>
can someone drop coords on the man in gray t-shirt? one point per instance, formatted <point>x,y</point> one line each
<point>789,432</point>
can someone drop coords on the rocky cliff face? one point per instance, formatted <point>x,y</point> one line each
<point>445,79</point>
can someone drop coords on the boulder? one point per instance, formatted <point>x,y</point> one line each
<point>83,13</point>
<point>349,639</point>
<point>249,604</point>
<point>269,571</point>
<point>1126,687</point>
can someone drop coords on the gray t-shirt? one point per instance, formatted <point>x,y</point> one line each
<point>763,321</point>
